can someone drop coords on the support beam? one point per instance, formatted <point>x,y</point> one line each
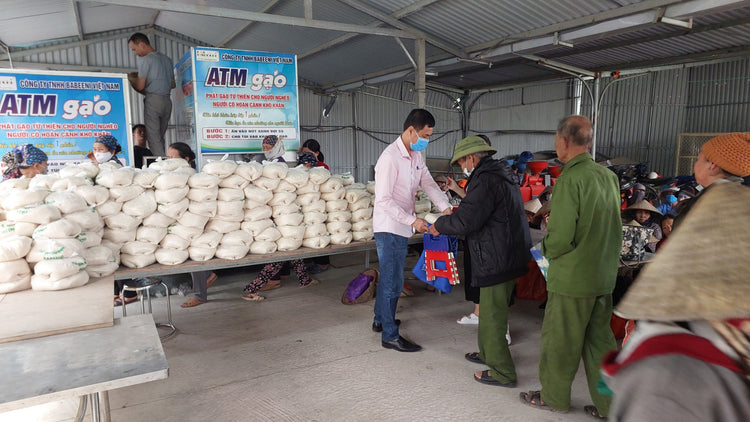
<point>154,16</point>
<point>222,12</point>
<point>247,25</point>
<point>419,81</point>
<point>77,13</point>
<point>308,10</point>
<point>551,64</point>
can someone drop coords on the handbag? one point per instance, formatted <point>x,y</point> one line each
<point>634,240</point>
<point>362,288</point>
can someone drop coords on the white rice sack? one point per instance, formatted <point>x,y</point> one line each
<point>370,187</point>
<point>207,239</point>
<point>137,261</point>
<point>285,209</point>
<point>115,178</point>
<point>109,166</point>
<point>362,214</point>
<point>185,232</point>
<point>38,182</point>
<point>333,196</point>
<point>256,227</point>
<point>292,232</point>
<point>422,206</point>
<point>170,164</point>
<point>250,171</point>
<point>360,205</point>
<point>319,175</point>
<point>203,181</point>
<point>258,194</point>
<point>158,219</point>
<point>138,247</point>
<point>307,198</point>
<point>125,193</point>
<point>108,208</point>
<point>230,194</point>
<point>230,210</point>
<point>98,271</point>
<point>172,241</point>
<point>315,206</point>
<point>60,229</point>
<point>285,186</point>
<point>89,169</point>
<point>169,256</point>
<point>12,228</point>
<point>315,217</point>
<point>339,216</point>
<point>237,238</point>
<point>193,220</point>
<point>266,183</point>
<point>250,204</point>
<point>234,181</point>
<point>289,219</point>
<point>315,230</point>
<point>89,219</point>
<point>337,227</point>
<point>223,226</point>
<point>317,242</point>
<point>150,234</point>
<point>288,244</point>
<point>201,253</point>
<point>145,178</point>
<point>171,180</point>
<point>341,238</point>
<point>118,236</point>
<point>42,283</point>
<point>19,198</point>
<point>337,205</point>
<point>37,214</point>
<point>354,195</point>
<point>270,234</point>
<point>174,210</point>
<point>263,247</point>
<point>203,194</point>
<point>172,195</point>
<point>90,239</point>
<point>275,169</point>
<point>44,249</point>
<point>360,186</point>
<point>14,276</point>
<point>362,235</point>
<point>362,225</point>
<point>346,178</point>
<point>98,255</point>
<point>93,195</point>
<point>220,169</point>
<point>56,269</point>
<point>282,198</point>
<point>14,247</point>
<point>69,183</point>
<point>331,185</point>
<point>122,221</point>
<point>232,252</point>
<point>309,187</point>
<point>258,213</point>
<point>115,247</point>
<point>297,176</point>
<point>141,206</point>
<point>204,208</point>
<point>21,183</point>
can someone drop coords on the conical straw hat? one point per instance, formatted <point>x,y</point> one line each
<point>703,271</point>
<point>643,205</point>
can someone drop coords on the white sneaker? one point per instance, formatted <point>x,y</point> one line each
<point>470,319</point>
<point>507,335</point>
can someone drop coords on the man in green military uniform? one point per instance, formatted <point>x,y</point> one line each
<point>583,242</point>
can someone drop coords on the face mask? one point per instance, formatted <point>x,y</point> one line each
<point>420,145</point>
<point>467,172</point>
<point>102,157</point>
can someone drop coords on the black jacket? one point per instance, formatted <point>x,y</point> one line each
<point>493,220</point>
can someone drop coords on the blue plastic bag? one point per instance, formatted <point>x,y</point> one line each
<point>436,243</point>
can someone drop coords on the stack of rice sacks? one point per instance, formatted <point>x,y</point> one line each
<point>263,196</point>
<point>339,217</point>
<point>423,205</point>
<point>310,199</point>
<point>286,206</point>
<point>361,206</point>
<point>15,235</point>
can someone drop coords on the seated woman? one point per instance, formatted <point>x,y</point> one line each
<point>646,214</point>
<point>24,160</point>
<point>105,150</point>
<point>313,146</point>
<point>182,150</point>
<point>273,148</point>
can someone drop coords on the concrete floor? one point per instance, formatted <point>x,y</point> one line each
<point>301,355</point>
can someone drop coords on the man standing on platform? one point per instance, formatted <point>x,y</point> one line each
<point>583,242</point>
<point>399,172</point>
<point>155,80</point>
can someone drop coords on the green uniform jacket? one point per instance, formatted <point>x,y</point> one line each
<point>584,233</point>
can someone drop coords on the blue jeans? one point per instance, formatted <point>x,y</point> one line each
<point>391,257</point>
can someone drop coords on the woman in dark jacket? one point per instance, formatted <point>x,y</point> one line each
<point>493,221</point>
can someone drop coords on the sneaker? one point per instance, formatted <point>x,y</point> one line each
<point>470,319</point>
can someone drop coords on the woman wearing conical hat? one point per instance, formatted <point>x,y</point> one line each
<point>646,215</point>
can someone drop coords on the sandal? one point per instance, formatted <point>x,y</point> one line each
<point>193,301</point>
<point>252,297</point>
<point>118,302</point>
<point>313,282</point>
<point>594,413</point>
<point>211,280</point>
<point>473,357</point>
<point>534,399</point>
<point>271,285</point>
<point>486,378</point>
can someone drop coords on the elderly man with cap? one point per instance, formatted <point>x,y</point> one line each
<point>583,243</point>
<point>493,220</point>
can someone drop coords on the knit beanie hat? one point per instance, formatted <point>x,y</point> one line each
<point>731,152</point>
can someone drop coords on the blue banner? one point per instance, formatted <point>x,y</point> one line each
<point>62,113</point>
<point>243,96</point>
